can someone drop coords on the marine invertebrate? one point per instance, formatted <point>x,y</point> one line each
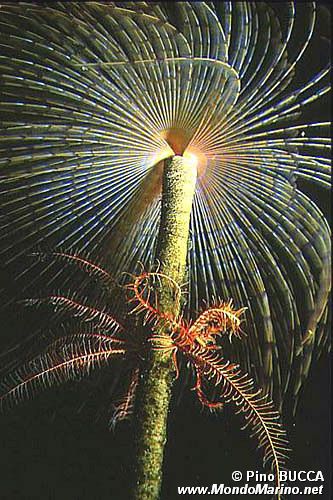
<point>87,122</point>
<point>75,355</point>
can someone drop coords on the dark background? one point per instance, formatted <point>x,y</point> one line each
<point>67,455</point>
<point>50,450</point>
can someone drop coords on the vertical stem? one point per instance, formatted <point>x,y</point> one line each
<point>179,180</point>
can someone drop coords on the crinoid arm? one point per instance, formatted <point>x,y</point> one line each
<point>257,409</point>
<point>145,293</point>
<point>67,359</point>
<point>217,319</point>
<point>123,408</point>
<point>74,307</point>
<point>212,405</point>
<point>92,269</point>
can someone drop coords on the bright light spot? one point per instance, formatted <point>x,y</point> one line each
<point>191,159</point>
<point>196,158</point>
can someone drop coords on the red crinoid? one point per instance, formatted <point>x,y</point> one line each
<point>200,342</point>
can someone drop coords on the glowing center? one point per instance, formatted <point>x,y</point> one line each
<point>197,158</point>
<point>179,142</point>
<point>191,159</point>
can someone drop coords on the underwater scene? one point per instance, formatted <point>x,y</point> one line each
<point>165,267</point>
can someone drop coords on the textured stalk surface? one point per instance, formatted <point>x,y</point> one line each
<point>155,391</point>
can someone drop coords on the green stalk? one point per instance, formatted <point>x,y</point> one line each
<point>179,178</point>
